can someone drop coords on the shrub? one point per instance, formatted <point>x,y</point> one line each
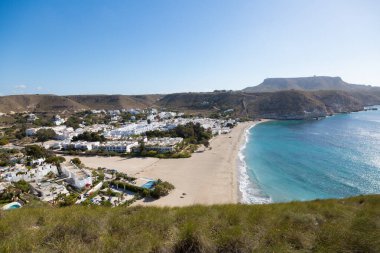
<point>22,185</point>
<point>161,189</point>
<point>45,134</point>
<point>4,141</point>
<point>76,161</point>
<point>36,152</point>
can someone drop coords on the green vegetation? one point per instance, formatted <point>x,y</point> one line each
<point>76,161</point>
<point>6,156</point>
<point>35,152</point>
<point>4,141</point>
<point>87,136</point>
<point>73,122</point>
<point>45,134</point>
<point>346,225</point>
<point>22,185</point>
<point>68,200</point>
<point>193,133</point>
<point>161,188</point>
<point>56,160</point>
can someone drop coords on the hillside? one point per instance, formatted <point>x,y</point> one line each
<point>307,84</point>
<point>115,101</point>
<point>345,225</point>
<point>54,103</point>
<point>19,103</point>
<point>290,104</point>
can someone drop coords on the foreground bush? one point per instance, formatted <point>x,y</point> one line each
<point>347,225</point>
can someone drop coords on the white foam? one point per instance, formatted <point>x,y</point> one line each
<point>250,193</point>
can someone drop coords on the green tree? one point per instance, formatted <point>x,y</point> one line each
<point>4,141</point>
<point>45,134</point>
<point>88,136</point>
<point>22,185</point>
<point>76,161</point>
<point>73,122</point>
<point>35,152</point>
<point>56,160</point>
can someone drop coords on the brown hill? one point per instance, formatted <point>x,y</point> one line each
<point>38,103</point>
<point>307,84</point>
<point>289,104</point>
<point>115,101</point>
<point>53,103</point>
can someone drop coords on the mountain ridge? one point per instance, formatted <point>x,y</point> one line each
<point>313,83</point>
<point>284,104</point>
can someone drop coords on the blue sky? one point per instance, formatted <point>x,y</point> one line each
<point>165,46</point>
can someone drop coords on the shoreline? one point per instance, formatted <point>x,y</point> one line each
<point>244,183</point>
<point>209,176</point>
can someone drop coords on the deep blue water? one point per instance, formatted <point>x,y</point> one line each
<point>302,160</point>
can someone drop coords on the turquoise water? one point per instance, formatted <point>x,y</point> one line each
<point>14,207</point>
<point>303,160</point>
<point>148,185</point>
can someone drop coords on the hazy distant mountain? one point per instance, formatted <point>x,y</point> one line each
<point>305,83</point>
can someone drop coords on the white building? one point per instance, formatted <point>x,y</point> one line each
<point>79,145</point>
<point>117,146</point>
<point>162,145</point>
<point>58,120</point>
<point>32,117</point>
<point>167,115</point>
<point>18,173</point>
<point>4,186</point>
<point>48,191</point>
<point>79,178</point>
<point>30,131</point>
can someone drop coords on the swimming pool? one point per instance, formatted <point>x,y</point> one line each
<point>10,206</point>
<point>149,184</point>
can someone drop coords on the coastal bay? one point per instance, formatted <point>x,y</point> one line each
<point>302,160</point>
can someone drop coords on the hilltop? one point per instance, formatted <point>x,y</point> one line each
<point>344,225</point>
<point>313,83</point>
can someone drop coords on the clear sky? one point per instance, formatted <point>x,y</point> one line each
<point>165,46</point>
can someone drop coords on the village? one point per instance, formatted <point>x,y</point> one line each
<point>40,170</point>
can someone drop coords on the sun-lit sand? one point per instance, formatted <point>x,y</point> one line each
<point>208,177</point>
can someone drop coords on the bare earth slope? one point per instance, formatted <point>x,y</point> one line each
<point>39,103</point>
<point>287,104</point>
<point>49,103</point>
<point>290,104</point>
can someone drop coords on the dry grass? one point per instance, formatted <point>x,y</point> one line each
<point>347,225</point>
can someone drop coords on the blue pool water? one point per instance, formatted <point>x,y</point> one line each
<point>148,185</point>
<point>13,207</point>
<point>303,160</point>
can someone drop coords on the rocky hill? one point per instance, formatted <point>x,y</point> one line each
<point>307,84</point>
<point>291,104</point>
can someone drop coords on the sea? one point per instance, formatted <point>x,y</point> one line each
<point>299,160</point>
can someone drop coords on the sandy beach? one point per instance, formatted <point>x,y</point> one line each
<point>209,177</point>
